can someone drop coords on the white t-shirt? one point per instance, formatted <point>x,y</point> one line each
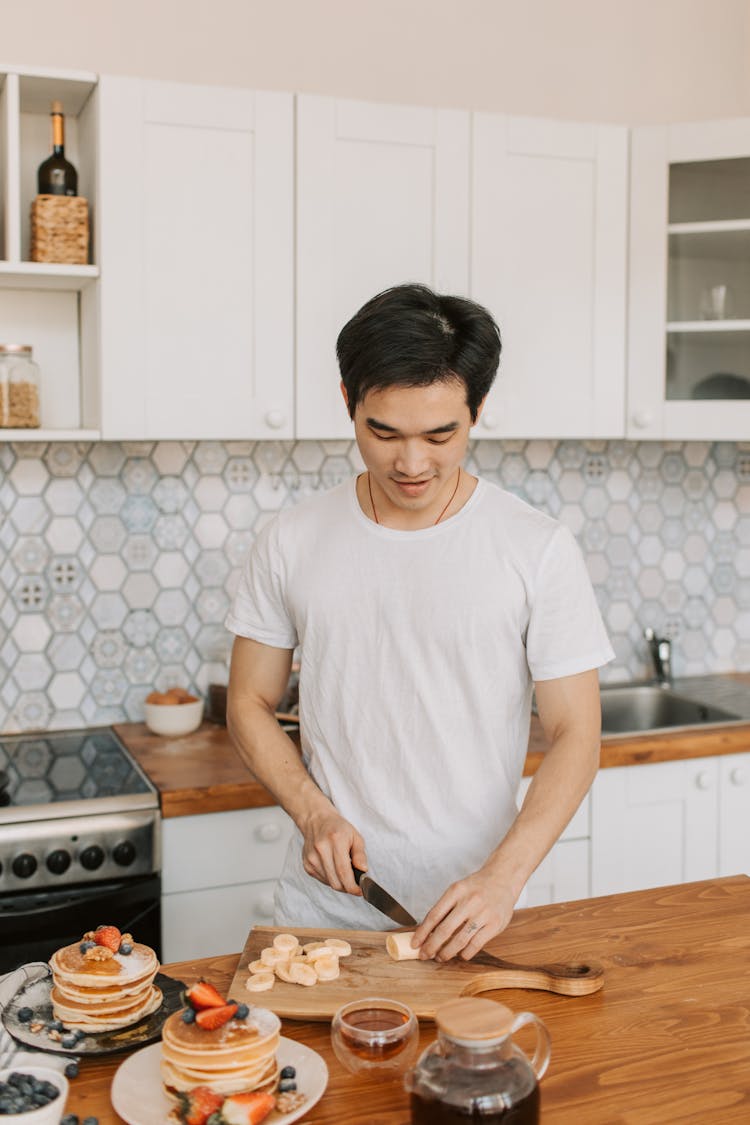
<point>418,654</point>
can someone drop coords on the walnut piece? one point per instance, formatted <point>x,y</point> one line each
<point>289,1102</point>
<point>98,953</point>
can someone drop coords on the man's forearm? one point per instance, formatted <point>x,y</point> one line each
<point>274,759</point>
<point>557,789</point>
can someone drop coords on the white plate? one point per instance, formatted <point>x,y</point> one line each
<point>139,1098</point>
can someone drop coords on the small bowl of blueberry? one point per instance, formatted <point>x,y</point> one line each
<point>32,1095</point>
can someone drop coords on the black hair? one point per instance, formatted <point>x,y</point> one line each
<point>409,336</point>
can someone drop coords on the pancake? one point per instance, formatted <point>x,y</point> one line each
<point>238,1057</point>
<point>97,988</point>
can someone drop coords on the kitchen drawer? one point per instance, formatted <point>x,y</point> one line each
<point>208,923</point>
<point>224,849</point>
<point>579,827</point>
<point>563,874</point>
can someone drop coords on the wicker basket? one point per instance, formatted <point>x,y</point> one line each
<point>60,229</point>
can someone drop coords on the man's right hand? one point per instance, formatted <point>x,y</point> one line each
<point>331,846</point>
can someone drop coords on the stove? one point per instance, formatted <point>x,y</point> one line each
<point>77,809</point>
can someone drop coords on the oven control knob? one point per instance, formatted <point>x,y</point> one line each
<point>123,853</point>
<point>58,861</point>
<point>92,857</point>
<point>24,866</point>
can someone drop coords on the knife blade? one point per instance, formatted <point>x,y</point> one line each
<point>373,893</point>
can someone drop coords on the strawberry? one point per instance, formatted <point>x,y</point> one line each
<point>196,1106</point>
<point>211,1018</point>
<point>108,936</point>
<point>247,1109</point>
<point>204,995</point>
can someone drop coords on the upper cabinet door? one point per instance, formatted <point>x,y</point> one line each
<point>195,233</point>
<point>549,244</point>
<point>689,330</point>
<point>383,198</point>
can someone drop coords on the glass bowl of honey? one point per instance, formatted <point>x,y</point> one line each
<point>375,1034</point>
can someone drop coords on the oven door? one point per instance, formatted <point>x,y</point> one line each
<point>34,924</point>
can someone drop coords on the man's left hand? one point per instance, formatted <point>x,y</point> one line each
<point>464,918</point>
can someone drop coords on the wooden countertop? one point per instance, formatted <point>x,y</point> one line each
<point>202,772</point>
<point>667,1039</point>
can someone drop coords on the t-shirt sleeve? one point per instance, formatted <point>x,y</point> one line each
<point>259,610</point>
<point>566,633</point>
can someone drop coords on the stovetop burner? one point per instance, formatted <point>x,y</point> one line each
<point>64,767</point>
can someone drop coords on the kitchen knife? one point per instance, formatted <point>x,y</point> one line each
<point>373,893</point>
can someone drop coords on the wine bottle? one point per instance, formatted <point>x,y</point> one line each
<point>56,175</point>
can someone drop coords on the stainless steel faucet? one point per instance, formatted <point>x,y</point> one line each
<point>661,654</point>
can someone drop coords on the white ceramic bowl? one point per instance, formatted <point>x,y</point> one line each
<point>174,718</point>
<point>49,1114</point>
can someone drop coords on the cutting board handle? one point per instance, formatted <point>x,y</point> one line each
<point>577,978</point>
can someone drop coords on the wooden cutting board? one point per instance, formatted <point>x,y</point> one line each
<point>422,985</point>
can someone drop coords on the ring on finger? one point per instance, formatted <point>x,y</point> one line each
<point>472,926</point>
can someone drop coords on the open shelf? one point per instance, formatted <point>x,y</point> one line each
<point>46,275</point>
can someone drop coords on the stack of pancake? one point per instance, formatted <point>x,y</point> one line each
<point>238,1057</point>
<point>105,990</point>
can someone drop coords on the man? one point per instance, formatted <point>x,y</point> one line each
<point>427,605</point>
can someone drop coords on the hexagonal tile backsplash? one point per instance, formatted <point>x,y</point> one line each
<point>118,560</point>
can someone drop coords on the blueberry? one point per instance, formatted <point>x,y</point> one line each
<point>70,1119</point>
<point>69,1040</point>
<point>71,1070</point>
<point>288,1072</point>
<point>125,948</point>
<point>90,1121</point>
<point>25,1015</point>
<point>243,1011</point>
<point>55,1025</point>
<point>79,1033</point>
<point>188,1016</point>
<point>286,1085</point>
<point>86,945</point>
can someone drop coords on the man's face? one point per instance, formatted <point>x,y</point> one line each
<point>412,440</point>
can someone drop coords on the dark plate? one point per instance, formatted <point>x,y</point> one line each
<point>36,995</point>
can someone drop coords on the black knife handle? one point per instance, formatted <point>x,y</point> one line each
<point>357,874</point>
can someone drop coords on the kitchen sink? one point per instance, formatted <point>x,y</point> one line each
<point>637,708</point>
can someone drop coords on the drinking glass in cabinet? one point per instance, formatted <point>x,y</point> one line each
<point>708,288</point>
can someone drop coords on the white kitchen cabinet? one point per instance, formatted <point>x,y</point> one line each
<point>564,873</point>
<point>195,233</point>
<point>654,825</point>
<point>382,199</point>
<point>734,815</point>
<point>46,304</point>
<point>689,282</point>
<point>219,871</point>
<point>548,258</point>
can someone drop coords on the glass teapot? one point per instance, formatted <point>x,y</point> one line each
<point>474,1071</point>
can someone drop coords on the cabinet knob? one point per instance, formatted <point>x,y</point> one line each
<point>703,780</point>
<point>643,419</point>
<point>264,906</point>
<point>268,832</point>
<point>275,419</point>
<point>737,777</point>
<point>489,421</point>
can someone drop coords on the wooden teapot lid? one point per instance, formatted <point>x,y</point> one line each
<point>471,1018</point>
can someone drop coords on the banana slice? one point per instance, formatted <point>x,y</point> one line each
<point>400,948</point>
<point>271,957</point>
<point>260,982</point>
<point>286,944</point>
<point>322,951</point>
<point>282,969</point>
<point>309,946</point>
<point>303,974</point>
<point>342,948</point>
<point>327,968</point>
<point>258,967</point>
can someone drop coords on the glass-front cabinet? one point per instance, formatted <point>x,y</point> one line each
<point>689,298</point>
